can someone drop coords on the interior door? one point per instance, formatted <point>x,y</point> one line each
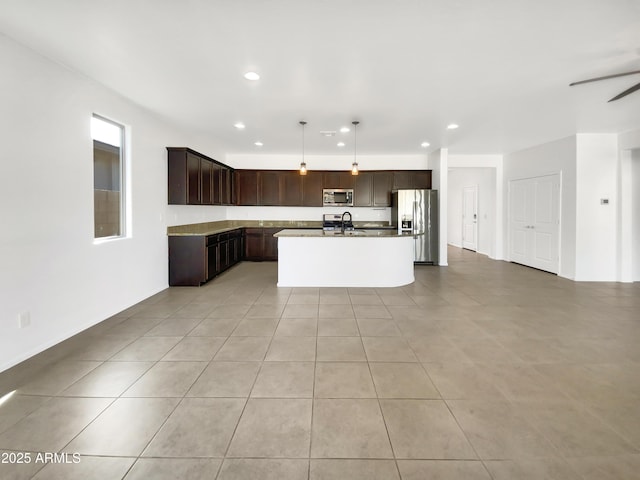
<point>520,213</point>
<point>545,223</point>
<point>470,218</point>
<point>534,226</point>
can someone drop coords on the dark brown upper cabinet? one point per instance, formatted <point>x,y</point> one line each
<point>226,185</point>
<point>312,189</point>
<point>418,179</point>
<point>363,190</point>
<point>185,178</point>
<point>246,182</point>
<point>373,189</point>
<point>382,186</point>
<point>291,188</point>
<point>193,178</point>
<point>194,190</point>
<point>217,194</point>
<point>337,179</point>
<point>269,187</point>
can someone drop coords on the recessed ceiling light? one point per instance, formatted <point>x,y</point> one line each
<point>424,144</point>
<point>452,126</point>
<point>345,130</point>
<point>239,125</point>
<point>341,144</point>
<point>258,144</point>
<point>252,76</point>
<point>328,133</point>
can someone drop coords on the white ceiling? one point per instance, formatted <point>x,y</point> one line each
<point>404,68</point>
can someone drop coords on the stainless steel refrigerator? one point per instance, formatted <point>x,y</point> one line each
<point>416,212</point>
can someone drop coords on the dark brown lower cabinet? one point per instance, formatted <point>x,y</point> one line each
<point>223,251</point>
<point>254,244</point>
<point>194,260</point>
<point>261,245</point>
<point>270,244</point>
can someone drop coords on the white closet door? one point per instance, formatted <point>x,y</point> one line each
<point>470,218</point>
<point>534,205</point>
<point>520,212</point>
<point>545,224</point>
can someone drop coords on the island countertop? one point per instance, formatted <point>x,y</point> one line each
<point>318,233</point>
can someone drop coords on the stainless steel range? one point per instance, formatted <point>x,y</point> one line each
<point>336,222</point>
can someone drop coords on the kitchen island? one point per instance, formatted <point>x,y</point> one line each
<point>360,258</point>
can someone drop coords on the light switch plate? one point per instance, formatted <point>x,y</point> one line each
<point>24,320</point>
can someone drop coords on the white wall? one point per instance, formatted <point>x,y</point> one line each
<point>635,209</point>
<point>51,266</point>
<point>596,225</point>
<point>328,162</point>
<point>186,214</point>
<point>554,157</point>
<point>485,180</point>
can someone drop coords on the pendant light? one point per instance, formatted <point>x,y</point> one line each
<point>303,165</point>
<point>354,166</point>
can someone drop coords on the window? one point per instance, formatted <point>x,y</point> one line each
<point>108,178</point>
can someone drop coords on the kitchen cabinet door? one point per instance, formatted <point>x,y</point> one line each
<point>213,261</point>
<point>418,179</point>
<point>207,185</point>
<point>291,188</point>
<point>269,187</point>
<point>217,193</point>
<point>232,186</point>
<point>233,250</point>
<point>254,244</point>
<point>223,255</point>
<point>193,180</point>
<point>402,179</point>
<point>422,179</point>
<point>363,190</point>
<point>225,186</point>
<point>270,244</point>
<point>247,187</point>
<point>312,189</point>
<point>382,185</point>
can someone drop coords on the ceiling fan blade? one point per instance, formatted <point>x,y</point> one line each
<point>604,78</point>
<point>626,92</point>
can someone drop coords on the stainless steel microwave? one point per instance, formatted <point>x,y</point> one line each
<point>339,197</point>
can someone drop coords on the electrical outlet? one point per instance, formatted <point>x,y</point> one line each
<point>24,320</point>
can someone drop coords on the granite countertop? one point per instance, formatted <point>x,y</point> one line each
<point>212,228</point>
<point>357,233</point>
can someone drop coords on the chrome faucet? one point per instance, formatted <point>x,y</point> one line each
<point>343,221</point>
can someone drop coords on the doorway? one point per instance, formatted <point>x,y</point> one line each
<point>534,222</point>
<point>470,218</point>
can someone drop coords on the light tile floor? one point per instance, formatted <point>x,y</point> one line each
<point>482,370</point>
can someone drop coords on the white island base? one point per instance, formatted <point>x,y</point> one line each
<point>307,258</point>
